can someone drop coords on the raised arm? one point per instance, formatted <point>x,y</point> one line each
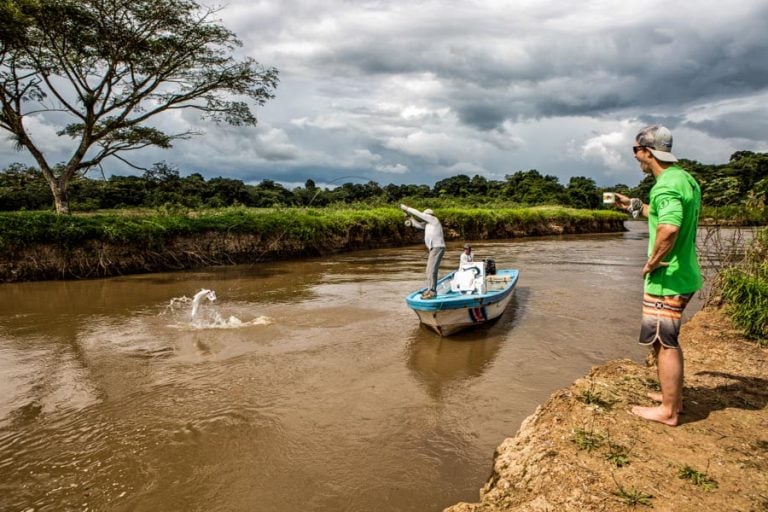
<point>429,219</point>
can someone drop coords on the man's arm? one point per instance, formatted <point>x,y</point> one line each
<point>415,223</point>
<point>429,219</point>
<point>666,235</point>
<point>625,203</point>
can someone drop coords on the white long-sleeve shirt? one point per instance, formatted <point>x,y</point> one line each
<point>433,230</point>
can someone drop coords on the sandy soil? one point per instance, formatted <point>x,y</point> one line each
<point>583,450</point>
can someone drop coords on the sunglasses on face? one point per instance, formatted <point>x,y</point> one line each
<point>635,149</point>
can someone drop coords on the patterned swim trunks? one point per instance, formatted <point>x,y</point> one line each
<point>662,316</point>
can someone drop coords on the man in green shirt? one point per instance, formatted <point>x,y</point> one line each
<point>671,272</point>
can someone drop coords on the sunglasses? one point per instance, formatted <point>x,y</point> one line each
<point>635,149</point>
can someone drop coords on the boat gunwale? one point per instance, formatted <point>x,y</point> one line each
<point>458,301</point>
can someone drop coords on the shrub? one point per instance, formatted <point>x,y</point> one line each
<point>745,290</point>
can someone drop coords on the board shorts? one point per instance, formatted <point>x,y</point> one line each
<point>662,316</point>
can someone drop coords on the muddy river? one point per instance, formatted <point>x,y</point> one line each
<point>306,385</point>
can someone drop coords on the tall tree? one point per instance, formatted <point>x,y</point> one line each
<point>582,193</point>
<point>455,186</point>
<point>479,185</point>
<point>23,187</point>
<point>111,66</point>
<point>530,187</point>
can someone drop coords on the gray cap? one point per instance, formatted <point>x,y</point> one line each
<point>467,246</point>
<point>658,140</point>
<point>428,211</point>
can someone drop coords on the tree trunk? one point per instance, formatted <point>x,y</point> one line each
<point>60,196</point>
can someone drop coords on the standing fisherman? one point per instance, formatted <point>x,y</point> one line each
<point>435,242</point>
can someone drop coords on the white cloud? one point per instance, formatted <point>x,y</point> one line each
<point>392,169</point>
<point>608,149</point>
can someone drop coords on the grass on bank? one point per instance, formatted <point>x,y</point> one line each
<point>308,225</point>
<point>633,497</point>
<point>744,288</point>
<point>697,478</point>
<point>735,215</point>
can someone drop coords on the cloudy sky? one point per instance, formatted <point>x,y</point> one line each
<point>415,91</point>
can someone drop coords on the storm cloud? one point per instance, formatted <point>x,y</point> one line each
<point>411,92</point>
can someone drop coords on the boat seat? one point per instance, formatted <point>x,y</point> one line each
<point>468,279</point>
<point>463,281</point>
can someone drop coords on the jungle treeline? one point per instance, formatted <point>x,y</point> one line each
<point>736,190</point>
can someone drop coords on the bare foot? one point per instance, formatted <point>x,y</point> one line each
<point>655,414</point>
<point>656,397</point>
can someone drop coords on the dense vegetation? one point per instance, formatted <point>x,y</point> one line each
<point>737,190</point>
<point>45,245</point>
<point>744,288</point>
<point>154,229</point>
<point>306,225</point>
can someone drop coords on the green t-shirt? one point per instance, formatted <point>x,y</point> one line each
<point>675,200</point>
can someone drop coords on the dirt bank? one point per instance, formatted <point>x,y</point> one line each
<point>97,258</point>
<point>582,450</point>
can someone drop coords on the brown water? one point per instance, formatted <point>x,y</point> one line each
<point>306,386</point>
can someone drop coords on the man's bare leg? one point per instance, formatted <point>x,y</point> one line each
<point>656,397</point>
<point>670,367</point>
<point>653,395</point>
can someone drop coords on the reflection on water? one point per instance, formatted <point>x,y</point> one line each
<point>438,362</point>
<point>305,385</point>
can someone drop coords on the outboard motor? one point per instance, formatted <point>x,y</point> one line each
<point>490,267</point>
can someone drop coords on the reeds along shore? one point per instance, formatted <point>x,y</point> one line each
<point>43,245</point>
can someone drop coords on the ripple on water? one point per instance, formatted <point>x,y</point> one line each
<point>122,449</point>
<point>38,382</point>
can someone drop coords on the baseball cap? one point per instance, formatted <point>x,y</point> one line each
<point>467,246</point>
<point>429,211</point>
<point>658,140</point>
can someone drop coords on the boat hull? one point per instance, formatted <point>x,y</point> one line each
<point>451,312</point>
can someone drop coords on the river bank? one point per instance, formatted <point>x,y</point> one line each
<point>582,450</point>
<point>43,246</point>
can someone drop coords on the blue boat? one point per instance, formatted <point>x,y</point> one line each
<point>465,298</point>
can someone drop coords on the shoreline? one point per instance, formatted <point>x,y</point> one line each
<point>96,258</point>
<point>583,450</point>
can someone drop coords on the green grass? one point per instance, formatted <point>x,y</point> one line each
<point>634,497</point>
<point>311,226</point>
<point>590,397</point>
<point>697,478</point>
<point>650,383</point>
<point>744,288</point>
<point>736,214</point>
<point>617,455</point>
<point>22,228</point>
<point>587,440</point>
<point>747,297</point>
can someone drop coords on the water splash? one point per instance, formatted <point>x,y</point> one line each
<point>208,294</point>
<point>206,318</point>
<point>216,321</point>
